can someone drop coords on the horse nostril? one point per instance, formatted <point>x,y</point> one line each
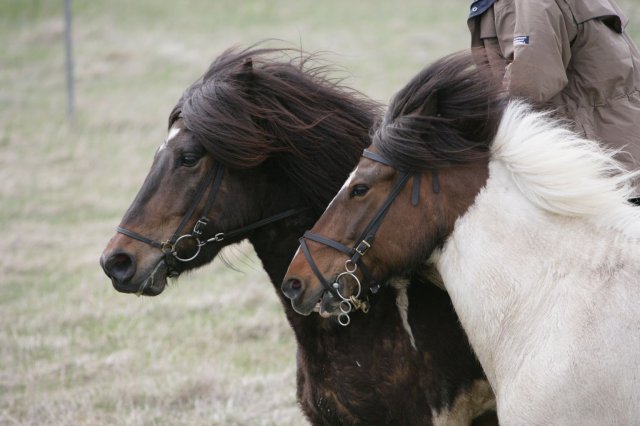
<point>292,287</point>
<point>296,284</point>
<point>120,267</point>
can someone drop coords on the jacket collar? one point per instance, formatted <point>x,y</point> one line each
<point>478,7</point>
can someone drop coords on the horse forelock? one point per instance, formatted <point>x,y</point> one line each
<point>447,114</point>
<point>259,105</point>
<point>560,172</point>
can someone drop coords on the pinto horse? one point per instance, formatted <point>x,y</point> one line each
<point>256,149</point>
<point>528,225</point>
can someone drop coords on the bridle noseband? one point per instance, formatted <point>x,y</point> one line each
<point>356,253</point>
<point>173,246</point>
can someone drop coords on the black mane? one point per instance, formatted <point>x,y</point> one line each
<point>255,105</point>
<point>447,114</point>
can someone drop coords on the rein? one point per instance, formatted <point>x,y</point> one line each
<point>356,253</point>
<point>176,244</point>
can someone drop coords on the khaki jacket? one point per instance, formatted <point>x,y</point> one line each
<point>573,54</point>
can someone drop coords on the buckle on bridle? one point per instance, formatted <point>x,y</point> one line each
<point>362,247</point>
<point>198,228</point>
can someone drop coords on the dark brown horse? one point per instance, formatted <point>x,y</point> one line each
<point>256,150</point>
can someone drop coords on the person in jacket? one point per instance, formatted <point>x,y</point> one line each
<point>573,55</point>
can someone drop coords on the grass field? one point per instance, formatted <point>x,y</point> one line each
<point>214,349</point>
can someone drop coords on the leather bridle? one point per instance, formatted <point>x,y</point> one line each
<point>176,245</point>
<point>357,252</point>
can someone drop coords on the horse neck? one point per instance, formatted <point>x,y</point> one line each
<point>508,266</point>
<point>275,246</point>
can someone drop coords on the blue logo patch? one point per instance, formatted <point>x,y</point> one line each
<point>521,40</point>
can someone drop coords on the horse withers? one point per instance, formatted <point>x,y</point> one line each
<point>256,149</point>
<point>528,225</point>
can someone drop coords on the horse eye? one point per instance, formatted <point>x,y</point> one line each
<point>359,190</point>
<point>189,159</point>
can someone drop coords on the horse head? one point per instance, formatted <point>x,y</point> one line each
<point>252,142</point>
<point>188,208</point>
<point>428,161</point>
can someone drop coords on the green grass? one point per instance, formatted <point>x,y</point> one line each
<point>214,348</point>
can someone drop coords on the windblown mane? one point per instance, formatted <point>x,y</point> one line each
<point>447,114</point>
<point>453,112</point>
<point>563,173</point>
<point>255,105</point>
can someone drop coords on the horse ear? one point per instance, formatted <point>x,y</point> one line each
<point>430,105</point>
<point>246,71</point>
<point>248,64</point>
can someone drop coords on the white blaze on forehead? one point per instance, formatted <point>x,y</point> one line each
<point>349,179</point>
<point>344,185</point>
<point>296,254</point>
<point>173,132</point>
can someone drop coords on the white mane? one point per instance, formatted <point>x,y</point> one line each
<point>544,287</point>
<point>560,172</point>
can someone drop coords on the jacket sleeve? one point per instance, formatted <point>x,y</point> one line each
<point>541,51</point>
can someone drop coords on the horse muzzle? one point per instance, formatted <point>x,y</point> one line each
<point>126,277</point>
<point>304,298</point>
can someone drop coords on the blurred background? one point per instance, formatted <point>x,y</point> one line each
<point>214,348</point>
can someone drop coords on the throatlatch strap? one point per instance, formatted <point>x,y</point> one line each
<point>266,221</point>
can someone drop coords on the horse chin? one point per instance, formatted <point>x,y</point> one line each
<point>328,306</point>
<point>156,281</point>
<point>306,305</point>
<point>152,285</point>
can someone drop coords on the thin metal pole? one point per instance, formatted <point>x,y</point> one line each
<point>71,101</point>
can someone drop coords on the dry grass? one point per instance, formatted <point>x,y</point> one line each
<point>214,349</point>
